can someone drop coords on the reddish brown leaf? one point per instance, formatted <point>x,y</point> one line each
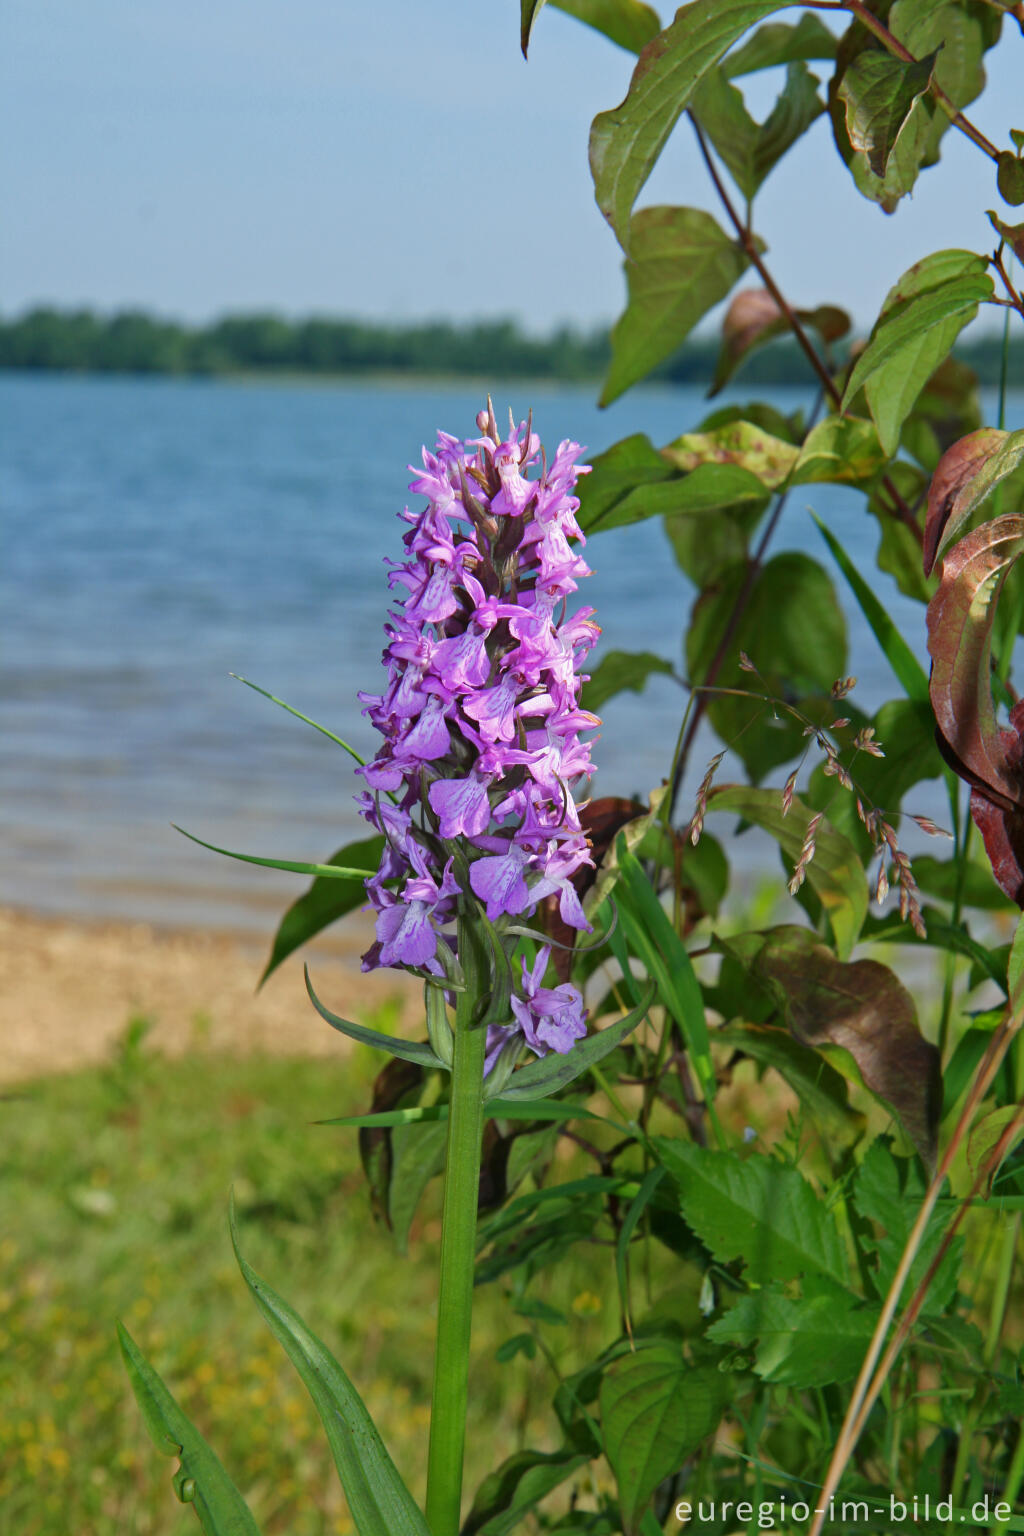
<point>396,1085</point>
<point>602,820</point>
<point>862,1007</point>
<point>956,469</point>
<point>960,619</point>
<point>1013,234</point>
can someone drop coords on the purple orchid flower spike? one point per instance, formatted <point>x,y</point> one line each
<point>483,745</point>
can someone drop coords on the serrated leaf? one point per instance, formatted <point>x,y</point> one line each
<point>755,1209</point>
<point>680,264</point>
<point>793,629</point>
<point>880,91</point>
<point>655,1409</point>
<point>986,1135</point>
<point>835,874</point>
<point>378,1499</point>
<point>201,1480</point>
<point>749,149</point>
<point>324,903</point>
<point>888,1191</point>
<point>626,142</point>
<point>619,671</point>
<point>965,476</point>
<point>781,43</point>
<point>807,1341</point>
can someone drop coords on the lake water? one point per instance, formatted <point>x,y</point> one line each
<point>162,534</point>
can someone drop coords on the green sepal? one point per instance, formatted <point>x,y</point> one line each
<point>201,1479</point>
<point>409,1050</point>
<point>379,1501</point>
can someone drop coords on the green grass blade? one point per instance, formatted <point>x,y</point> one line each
<point>300,716</point>
<point>639,1204</point>
<point>201,1480</point>
<point>380,1503</point>
<point>408,1050</point>
<point>292,866</point>
<point>904,663</point>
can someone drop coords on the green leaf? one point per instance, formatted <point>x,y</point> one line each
<point>751,150</point>
<point>630,465</point>
<point>921,319</point>
<point>905,665</point>
<point>807,1341</point>
<point>792,627</point>
<point>201,1480</point>
<point>818,1085</point>
<point>755,1209</point>
<point>889,1190</point>
<point>655,1409</point>
<point>329,871</point>
<point>749,447</point>
<point>408,1050</point>
<point>1013,234</point>
<point>654,940</point>
<point>513,1489</point>
<point>680,264</point>
<point>379,1501</point>
<point>417,1156</point>
<point>1010,178</point>
<point>324,903</point>
<point>638,1205</point>
<point>841,450</point>
<point>880,91</point>
<point>626,142</point>
<point>549,1073</point>
<point>780,43</point>
<point>494,1109</point>
<point>835,873</point>
<point>627,22</point>
<point>619,671</point>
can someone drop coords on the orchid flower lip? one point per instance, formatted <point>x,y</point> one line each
<point>483,743</point>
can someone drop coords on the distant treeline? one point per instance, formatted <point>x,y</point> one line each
<point>136,343</point>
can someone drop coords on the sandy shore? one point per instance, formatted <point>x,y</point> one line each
<point>68,990</point>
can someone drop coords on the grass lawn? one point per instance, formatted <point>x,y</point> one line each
<point>115,1190</point>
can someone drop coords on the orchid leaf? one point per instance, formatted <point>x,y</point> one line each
<point>656,1408</point>
<point>680,264</point>
<point>338,741</point>
<point>324,903</point>
<point>201,1479</point>
<point>626,141</point>
<point>409,1050</point>
<point>835,873</point>
<point>293,866</point>
<point>905,665</point>
<point>379,1501</point>
<point>550,1073</point>
<point>965,476</point>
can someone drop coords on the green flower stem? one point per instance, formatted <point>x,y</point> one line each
<point>458,1247</point>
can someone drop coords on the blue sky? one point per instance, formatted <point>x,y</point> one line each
<point>395,161</point>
